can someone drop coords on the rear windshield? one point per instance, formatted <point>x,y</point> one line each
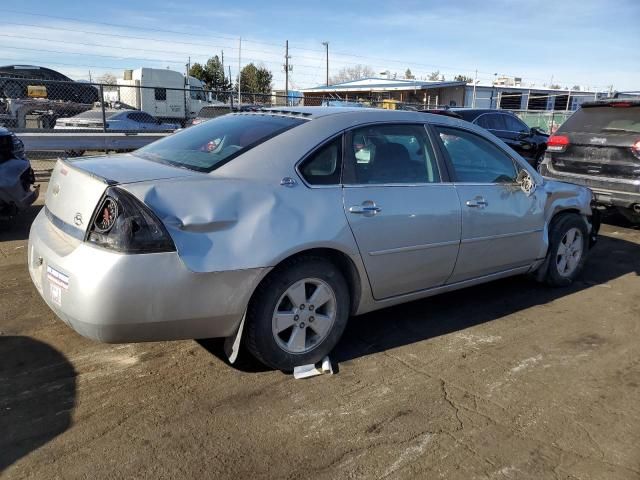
<point>211,144</point>
<point>604,119</point>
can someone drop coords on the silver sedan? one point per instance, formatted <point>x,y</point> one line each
<point>274,227</point>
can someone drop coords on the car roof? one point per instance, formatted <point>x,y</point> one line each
<point>358,112</point>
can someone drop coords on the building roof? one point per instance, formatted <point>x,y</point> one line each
<point>532,88</point>
<point>382,84</point>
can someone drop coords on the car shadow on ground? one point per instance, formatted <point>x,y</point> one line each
<point>455,311</point>
<point>17,228</point>
<point>37,396</point>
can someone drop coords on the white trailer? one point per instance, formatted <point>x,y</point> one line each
<point>165,94</point>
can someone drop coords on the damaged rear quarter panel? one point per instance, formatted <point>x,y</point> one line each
<point>222,223</point>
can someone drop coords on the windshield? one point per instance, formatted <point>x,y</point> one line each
<point>604,119</point>
<point>210,145</point>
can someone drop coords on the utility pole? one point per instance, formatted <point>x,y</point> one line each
<point>326,46</point>
<point>475,82</point>
<point>287,69</point>
<point>230,93</point>
<point>239,70</point>
<point>222,63</point>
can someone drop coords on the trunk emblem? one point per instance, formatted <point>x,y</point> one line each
<point>599,140</point>
<point>78,219</point>
<point>56,189</point>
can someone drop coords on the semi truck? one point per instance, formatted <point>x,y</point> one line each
<point>166,94</point>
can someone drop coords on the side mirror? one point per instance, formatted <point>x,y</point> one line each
<point>526,182</point>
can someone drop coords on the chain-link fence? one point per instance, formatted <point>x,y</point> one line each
<point>50,108</point>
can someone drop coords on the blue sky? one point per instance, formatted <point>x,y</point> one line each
<point>589,43</point>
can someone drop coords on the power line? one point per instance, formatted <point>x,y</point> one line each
<point>174,32</point>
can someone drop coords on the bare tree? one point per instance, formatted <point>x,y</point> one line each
<point>434,75</point>
<point>107,79</point>
<point>355,72</point>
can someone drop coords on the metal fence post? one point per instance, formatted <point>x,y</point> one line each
<point>104,115</point>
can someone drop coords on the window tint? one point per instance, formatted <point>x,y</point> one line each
<point>491,121</point>
<point>146,118</point>
<point>475,159</point>
<point>324,165</point>
<point>160,93</point>
<point>604,119</point>
<point>381,154</point>
<point>514,125</point>
<point>196,93</point>
<point>209,145</point>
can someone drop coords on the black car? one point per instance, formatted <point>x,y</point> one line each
<point>25,81</point>
<point>599,146</point>
<point>530,142</point>
<point>17,180</point>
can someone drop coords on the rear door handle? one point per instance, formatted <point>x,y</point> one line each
<point>368,208</point>
<point>477,202</point>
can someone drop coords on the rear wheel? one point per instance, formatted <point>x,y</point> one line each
<point>568,247</point>
<point>298,313</point>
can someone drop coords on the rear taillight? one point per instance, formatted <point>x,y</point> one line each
<point>620,104</point>
<point>635,149</point>
<point>557,143</point>
<point>124,224</point>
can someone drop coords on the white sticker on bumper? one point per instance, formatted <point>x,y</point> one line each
<point>56,294</point>
<point>57,278</point>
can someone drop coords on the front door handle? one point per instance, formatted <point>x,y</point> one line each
<point>368,208</point>
<point>477,202</point>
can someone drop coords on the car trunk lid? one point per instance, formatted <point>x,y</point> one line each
<point>76,186</point>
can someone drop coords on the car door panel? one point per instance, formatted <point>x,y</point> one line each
<point>502,227</point>
<point>412,242</point>
<point>405,220</point>
<point>505,232</point>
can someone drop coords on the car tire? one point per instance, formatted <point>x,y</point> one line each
<point>13,90</point>
<point>283,330</point>
<point>568,248</point>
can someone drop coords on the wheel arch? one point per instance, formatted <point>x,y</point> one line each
<point>338,258</point>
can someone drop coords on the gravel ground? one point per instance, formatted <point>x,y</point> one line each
<point>505,380</point>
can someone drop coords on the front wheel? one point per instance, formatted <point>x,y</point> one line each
<point>568,247</point>
<point>298,313</point>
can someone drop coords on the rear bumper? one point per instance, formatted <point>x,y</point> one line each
<point>610,192</point>
<point>114,298</point>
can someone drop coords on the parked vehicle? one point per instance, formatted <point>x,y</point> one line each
<point>117,120</point>
<point>530,142</point>
<point>165,94</point>
<point>599,146</point>
<point>30,81</point>
<point>213,111</point>
<point>294,219</point>
<point>17,180</point>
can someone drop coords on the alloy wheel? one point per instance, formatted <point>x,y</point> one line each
<point>304,315</point>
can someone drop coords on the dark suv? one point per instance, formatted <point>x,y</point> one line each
<point>529,142</point>
<point>16,81</point>
<point>599,146</point>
